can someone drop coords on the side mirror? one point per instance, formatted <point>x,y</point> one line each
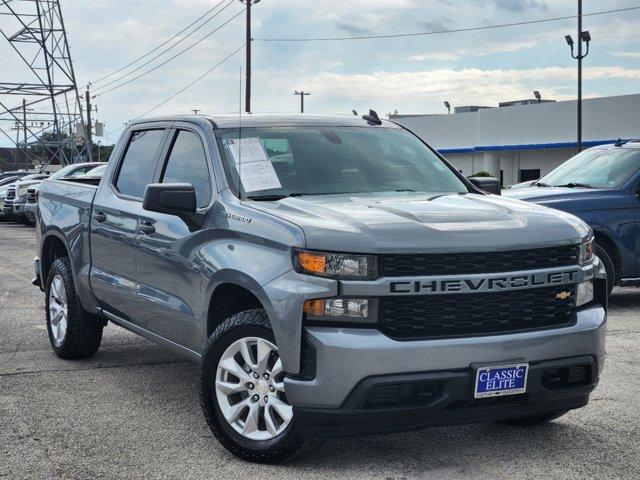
<point>488,184</point>
<point>172,198</point>
<point>177,199</point>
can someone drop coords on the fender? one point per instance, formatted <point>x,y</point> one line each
<point>79,267</point>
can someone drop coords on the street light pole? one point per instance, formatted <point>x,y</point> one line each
<point>583,36</point>
<point>302,95</point>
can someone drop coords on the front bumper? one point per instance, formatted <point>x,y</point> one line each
<point>344,357</point>
<point>30,210</point>
<point>7,208</point>
<point>395,403</point>
<point>18,210</point>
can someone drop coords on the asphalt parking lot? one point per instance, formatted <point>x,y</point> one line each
<point>132,411</point>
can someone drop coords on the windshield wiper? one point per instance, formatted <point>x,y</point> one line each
<point>273,198</point>
<point>540,184</point>
<point>576,185</point>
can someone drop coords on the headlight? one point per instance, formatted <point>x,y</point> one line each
<point>349,310</point>
<point>584,293</point>
<point>336,265</point>
<point>585,253</point>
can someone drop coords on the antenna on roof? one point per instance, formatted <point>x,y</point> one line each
<point>372,118</point>
<point>240,139</point>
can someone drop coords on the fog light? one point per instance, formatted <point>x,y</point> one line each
<point>584,293</point>
<point>352,310</point>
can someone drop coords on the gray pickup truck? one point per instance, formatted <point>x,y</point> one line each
<point>332,275</point>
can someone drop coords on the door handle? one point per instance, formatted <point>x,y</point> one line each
<point>100,217</point>
<point>147,228</point>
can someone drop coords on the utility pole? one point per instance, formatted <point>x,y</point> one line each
<point>89,126</point>
<point>302,95</point>
<point>195,111</point>
<point>24,126</point>
<point>247,90</point>
<point>583,36</point>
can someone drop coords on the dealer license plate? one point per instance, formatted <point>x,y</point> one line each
<point>498,380</point>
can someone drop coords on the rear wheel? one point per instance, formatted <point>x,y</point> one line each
<point>73,333</point>
<point>606,260</point>
<point>532,421</point>
<point>242,391</point>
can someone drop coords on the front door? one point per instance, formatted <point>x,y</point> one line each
<point>114,223</point>
<point>169,263</point>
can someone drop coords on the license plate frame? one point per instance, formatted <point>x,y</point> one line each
<point>509,383</point>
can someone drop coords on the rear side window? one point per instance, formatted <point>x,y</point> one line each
<point>138,165</point>
<point>187,163</point>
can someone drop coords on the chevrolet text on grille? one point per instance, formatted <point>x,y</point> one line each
<point>483,284</point>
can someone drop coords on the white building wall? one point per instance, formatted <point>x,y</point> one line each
<point>527,137</point>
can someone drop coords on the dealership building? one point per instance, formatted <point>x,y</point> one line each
<point>524,140</point>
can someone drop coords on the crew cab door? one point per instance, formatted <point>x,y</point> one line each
<point>169,262</point>
<point>114,222</point>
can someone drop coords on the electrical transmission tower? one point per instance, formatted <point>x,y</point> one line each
<point>42,103</point>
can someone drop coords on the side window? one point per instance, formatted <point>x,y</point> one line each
<point>138,165</point>
<point>187,163</point>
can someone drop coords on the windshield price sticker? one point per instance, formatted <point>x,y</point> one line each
<point>252,162</point>
<point>247,150</point>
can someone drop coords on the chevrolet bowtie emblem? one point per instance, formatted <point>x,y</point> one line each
<point>563,295</point>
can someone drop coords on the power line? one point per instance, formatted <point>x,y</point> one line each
<point>159,46</point>
<point>186,87</point>
<point>170,58</point>
<point>193,82</point>
<point>438,32</point>
<point>140,67</point>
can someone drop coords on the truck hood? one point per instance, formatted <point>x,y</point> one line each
<point>573,200</point>
<point>541,194</point>
<point>412,222</point>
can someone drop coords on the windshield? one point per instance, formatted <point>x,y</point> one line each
<point>63,172</point>
<point>94,172</point>
<point>596,168</point>
<point>35,176</point>
<point>282,161</point>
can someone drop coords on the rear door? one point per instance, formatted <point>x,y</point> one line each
<point>114,222</point>
<point>169,264</point>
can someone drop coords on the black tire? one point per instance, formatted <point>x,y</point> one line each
<point>532,421</point>
<point>605,258</point>
<point>28,222</point>
<point>84,332</point>
<point>250,323</point>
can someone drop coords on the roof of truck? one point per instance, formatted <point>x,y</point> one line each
<point>252,120</point>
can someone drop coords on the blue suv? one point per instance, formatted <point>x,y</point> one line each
<point>602,187</point>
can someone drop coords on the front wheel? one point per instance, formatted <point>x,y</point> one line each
<point>242,390</point>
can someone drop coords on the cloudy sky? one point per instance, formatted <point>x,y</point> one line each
<point>412,75</point>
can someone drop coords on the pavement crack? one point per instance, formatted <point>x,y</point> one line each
<point>97,367</point>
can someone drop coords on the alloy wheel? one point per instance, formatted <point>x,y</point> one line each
<point>250,389</point>
<point>58,310</point>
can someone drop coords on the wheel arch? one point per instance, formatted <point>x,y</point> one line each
<point>604,241</point>
<point>233,292</point>
<point>54,246</point>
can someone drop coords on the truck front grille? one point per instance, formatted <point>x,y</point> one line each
<point>441,316</point>
<point>11,194</point>
<point>398,265</point>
